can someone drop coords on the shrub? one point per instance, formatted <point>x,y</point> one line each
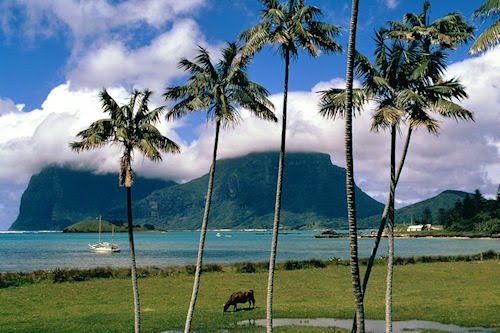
<point>245,267</point>
<point>301,264</point>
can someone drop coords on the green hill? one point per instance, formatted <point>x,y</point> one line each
<point>405,215</point>
<point>106,226</point>
<point>445,200</point>
<point>57,197</point>
<point>244,194</point>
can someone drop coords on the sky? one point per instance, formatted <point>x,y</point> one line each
<point>56,55</point>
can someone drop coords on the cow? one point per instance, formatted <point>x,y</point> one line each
<point>242,296</point>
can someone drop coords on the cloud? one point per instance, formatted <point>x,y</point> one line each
<point>392,3</point>
<point>8,106</point>
<point>97,17</point>
<point>152,66</point>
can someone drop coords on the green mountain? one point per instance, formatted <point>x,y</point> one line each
<point>445,200</point>
<point>57,197</point>
<point>415,212</point>
<point>244,194</point>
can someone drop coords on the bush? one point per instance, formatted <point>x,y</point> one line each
<point>251,267</point>
<point>245,267</point>
<point>301,264</point>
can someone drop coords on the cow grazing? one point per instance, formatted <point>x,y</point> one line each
<point>242,296</point>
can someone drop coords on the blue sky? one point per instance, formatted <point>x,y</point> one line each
<point>56,55</point>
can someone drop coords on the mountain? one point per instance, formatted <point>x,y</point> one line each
<point>57,197</point>
<point>244,194</point>
<point>445,200</point>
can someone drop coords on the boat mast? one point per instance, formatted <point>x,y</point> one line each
<point>99,228</point>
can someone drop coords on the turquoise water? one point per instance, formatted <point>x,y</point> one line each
<point>32,251</point>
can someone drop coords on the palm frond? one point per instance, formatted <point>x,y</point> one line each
<point>450,109</point>
<point>332,102</point>
<point>488,8</point>
<point>423,119</point>
<point>386,115</point>
<point>488,39</point>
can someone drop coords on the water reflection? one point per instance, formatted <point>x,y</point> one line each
<point>414,326</point>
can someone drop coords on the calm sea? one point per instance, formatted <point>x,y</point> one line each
<point>48,250</point>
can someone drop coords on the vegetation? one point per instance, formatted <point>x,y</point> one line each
<point>133,127</point>
<point>99,304</point>
<point>473,214</point>
<point>107,226</point>
<point>218,89</point>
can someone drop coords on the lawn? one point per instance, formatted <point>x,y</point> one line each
<point>461,293</point>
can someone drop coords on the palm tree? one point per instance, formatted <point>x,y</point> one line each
<point>133,127</point>
<point>218,90</point>
<point>350,189</point>
<point>402,93</point>
<point>289,28</point>
<point>447,32</point>
<point>491,36</point>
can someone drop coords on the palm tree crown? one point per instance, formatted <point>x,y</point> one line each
<point>219,89</point>
<point>290,29</point>
<point>133,126</point>
<point>447,32</point>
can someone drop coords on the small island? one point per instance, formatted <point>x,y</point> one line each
<point>107,226</point>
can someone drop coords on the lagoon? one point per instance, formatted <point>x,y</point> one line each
<point>30,251</point>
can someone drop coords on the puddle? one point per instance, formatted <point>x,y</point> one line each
<point>378,326</point>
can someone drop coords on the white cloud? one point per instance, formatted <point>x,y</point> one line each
<point>151,66</point>
<point>392,3</point>
<point>8,106</point>
<point>97,17</point>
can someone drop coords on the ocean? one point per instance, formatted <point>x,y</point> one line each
<point>30,251</point>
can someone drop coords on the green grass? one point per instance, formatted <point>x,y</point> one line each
<point>462,293</point>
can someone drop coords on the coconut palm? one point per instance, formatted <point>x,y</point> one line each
<point>289,27</point>
<point>350,186</point>
<point>402,94</point>
<point>133,127</point>
<point>448,31</point>
<point>217,89</point>
<point>491,35</point>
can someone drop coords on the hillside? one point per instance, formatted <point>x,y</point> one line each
<point>106,227</point>
<point>445,200</point>
<point>57,197</point>
<point>244,194</point>
<point>405,215</point>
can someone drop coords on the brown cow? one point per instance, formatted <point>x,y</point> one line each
<point>242,296</point>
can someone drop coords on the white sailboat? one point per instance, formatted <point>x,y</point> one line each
<point>105,247</point>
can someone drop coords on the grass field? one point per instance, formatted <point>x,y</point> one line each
<point>461,293</point>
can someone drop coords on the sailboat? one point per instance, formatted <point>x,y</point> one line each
<point>105,247</point>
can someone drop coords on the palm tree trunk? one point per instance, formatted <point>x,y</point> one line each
<point>385,213</point>
<point>135,289</point>
<point>203,232</point>
<point>351,202</point>
<point>277,205</point>
<point>383,219</point>
<point>390,235</point>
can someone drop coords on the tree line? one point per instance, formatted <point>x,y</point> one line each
<point>473,214</point>
<point>405,81</point>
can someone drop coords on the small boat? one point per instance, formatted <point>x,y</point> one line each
<point>105,247</point>
<point>218,234</point>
